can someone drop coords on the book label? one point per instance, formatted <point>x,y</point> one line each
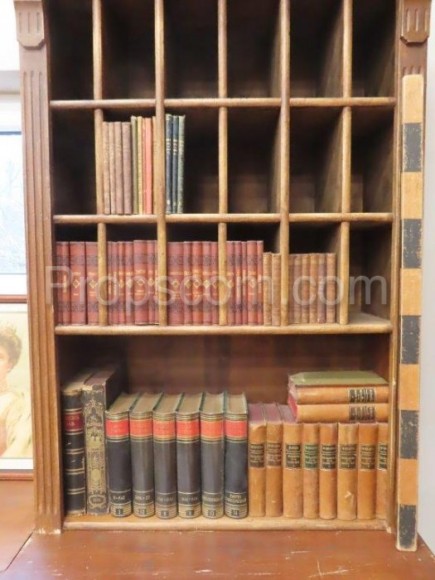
<point>293,456</point>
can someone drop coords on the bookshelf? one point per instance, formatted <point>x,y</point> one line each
<point>295,112</point>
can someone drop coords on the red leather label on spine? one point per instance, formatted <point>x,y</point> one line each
<point>141,427</point>
<point>117,428</point>
<point>236,429</point>
<point>212,429</point>
<point>188,429</point>
<point>164,429</point>
<point>73,421</point>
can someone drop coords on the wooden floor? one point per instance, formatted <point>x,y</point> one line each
<point>185,555</point>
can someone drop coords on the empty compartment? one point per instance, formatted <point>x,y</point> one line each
<point>253,49</point>
<point>191,49</point>
<point>70,25</point>
<point>372,160</point>
<point>73,154</point>
<point>128,45</point>
<point>253,161</point>
<point>374,24</point>
<point>316,46</point>
<point>316,176</point>
<point>370,271</point>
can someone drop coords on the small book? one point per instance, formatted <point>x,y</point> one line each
<point>212,455</point>
<point>119,455</point>
<point>129,281</point>
<point>382,472</point>
<point>236,456</point>
<point>142,454</point>
<point>366,497</point>
<point>189,456</point>
<point>347,474</point>
<point>310,466</point>
<point>328,471</point>
<point>256,460</point>
<point>165,456</point>
<point>292,465</point>
<point>207,307</point>
<point>273,460</point>
<point>141,291</point>
<point>148,154</point>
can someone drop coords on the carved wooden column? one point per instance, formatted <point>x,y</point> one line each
<point>31,32</point>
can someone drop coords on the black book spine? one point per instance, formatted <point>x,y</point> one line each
<point>74,453</point>
<point>212,466</point>
<point>188,467</point>
<point>165,466</point>
<point>236,467</point>
<point>142,459</point>
<point>119,464</point>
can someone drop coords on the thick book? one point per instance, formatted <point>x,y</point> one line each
<point>175,278</point>
<point>292,477</point>
<point>328,471</point>
<point>180,163</point>
<point>119,170</point>
<point>126,169</point>
<point>382,472</point>
<point>106,168</point>
<point>165,456</point>
<point>142,454</point>
<point>92,287</point>
<point>119,455</point>
<point>366,496</point>
<point>273,460</point>
<point>267,288</point>
<point>189,456</point>
<point>168,162</point>
<point>256,460</point>
<point>276,289</point>
<point>78,282</point>
<point>340,412</point>
<point>310,467</point>
<point>347,474</point>
<point>212,455</point>
<point>63,283</point>
<point>99,392</point>
<point>236,456</point>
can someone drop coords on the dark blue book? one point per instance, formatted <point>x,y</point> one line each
<point>168,162</point>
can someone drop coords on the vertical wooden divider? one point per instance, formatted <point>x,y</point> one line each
<point>284,159</point>
<point>160,185</point>
<point>223,159</point>
<point>97,43</point>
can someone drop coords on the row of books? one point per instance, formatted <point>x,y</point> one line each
<point>175,136</point>
<point>344,396</point>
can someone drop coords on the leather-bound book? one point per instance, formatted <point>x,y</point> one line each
<point>313,288</point>
<point>292,477</point>
<point>129,281</point>
<point>187,287</point>
<point>328,471</point>
<point>168,162</point>
<point>207,306</point>
<point>236,456</point>
<point>180,164</point>
<point>121,281</point>
<point>148,130</point>
<point>296,289</point>
<point>259,298</point>
<point>135,165</point>
<point>78,282</point>
<point>212,455</point>
<point>331,288</point>
<point>112,168</point>
<point>119,177</point>
<point>347,474</point>
<point>140,287</point>
<point>197,282</point>
<point>244,263</point>
<point>175,280</point>
<point>165,456</point>
<point>214,284</point>
<point>106,168</point>
<point>366,497</point>
<point>273,460</point>
<point>140,165</point>
<point>142,454</point>
<point>239,282</point>
<point>110,285</point>
<point>92,301</point>
<point>127,169</point>
<point>382,472</point>
<point>310,466</point>
<point>174,163</point>
<point>340,412</point>
<point>252,282</point>
<point>62,279</point>
<point>321,289</point>
<point>267,288</point>
<point>189,456</point>
<point>151,253</point>
<point>304,288</point>
<point>291,306</point>
<point>256,460</point>
<point>119,455</point>
<point>276,289</point>
<point>231,283</point>
<point>99,392</point>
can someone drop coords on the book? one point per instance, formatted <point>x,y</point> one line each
<point>267,288</point>
<point>112,167</point>
<point>341,412</point>
<point>239,282</point>
<point>292,478</point>
<point>174,164</point>
<point>129,281</point>
<point>310,469</point>
<point>212,455</point>
<point>168,162</point>
<point>165,456</point>
<point>304,289</point>
<point>382,472</point>
<point>366,496</point>
<point>187,288</point>
<point>127,169</point>
<point>321,290</point>
<point>276,289</point>
<point>121,281</point>
<point>119,455</point>
<point>256,460</point>
<point>180,165</point>
<point>78,282</point>
<point>92,287</point>
<point>142,454</point>
<point>331,288</point>
<point>189,456</point>
<point>63,283</point>
<point>313,287</point>
<point>207,306</point>
<point>119,174</point>
<point>295,289</point>
<point>236,456</point>
<point>151,252</point>
<point>140,285</point>
<point>135,164</point>
<point>273,460</point>
<point>110,283</point>
<point>347,474</point>
<point>259,297</point>
<point>140,166</point>
<point>214,284</point>
<point>252,282</point>
<point>175,278</point>
<point>106,168</point>
<point>328,471</point>
<point>149,163</point>
<point>197,283</point>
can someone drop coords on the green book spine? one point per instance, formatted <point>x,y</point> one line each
<point>180,168</point>
<point>135,165</point>
<point>174,168</point>
<point>168,162</point>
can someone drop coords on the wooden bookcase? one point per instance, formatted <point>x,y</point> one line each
<point>297,115</point>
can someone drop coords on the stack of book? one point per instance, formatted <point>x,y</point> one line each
<point>175,132</point>
<point>128,166</point>
<point>345,396</point>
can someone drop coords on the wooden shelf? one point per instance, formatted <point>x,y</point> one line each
<point>108,522</point>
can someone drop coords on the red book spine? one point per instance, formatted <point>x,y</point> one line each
<point>215,283</point>
<point>78,285</point>
<point>152,282</point>
<point>187,283</point>
<point>231,285</point>
<point>239,282</point>
<point>63,290</point>
<point>121,281</point>
<point>175,280</point>
<point>92,303</point>
<point>110,281</point>
<point>260,251</point>
<point>245,297</point>
<point>140,286</point>
<point>251,272</point>
<point>129,275</point>
<point>206,281</point>
<point>197,282</point>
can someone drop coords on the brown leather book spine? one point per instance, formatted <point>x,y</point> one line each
<point>313,288</point>
<point>267,289</point>
<point>129,281</point>
<point>78,282</point>
<point>148,130</point>
<point>251,282</point>
<point>112,167</point>
<point>347,474</point>
<point>231,283</point>
<point>175,280</point>
<point>304,288</point>
<point>127,169</point>
<point>110,288</point>
<point>140,286</point>
<point>106,169</point>
<point>321,290</point>
<point>214,281</point>
<point>151,257</point>
<point>366,497</point>
<point>256,461</point>
<point>119,177</point>
<point>310,465</point>
<point>342,413</point>
<point>121,281</point>
<point>382,472</point>
<point>197,278</point>
<point>239,282</point>
<point>296,287</point>
<point>206,282</point>
<point>154,164</point>
<point>259,304</point>
<point>331,288</point>
<point>276,289</point>
<point>293,491</point>
<point>92,303</point>
<point>244,247</point>
<point>341,394</point>
<point>273,461</point>
<point>63,291</point>
<point>187,288</point>
<point>291,306</point>
<point>328,471</point>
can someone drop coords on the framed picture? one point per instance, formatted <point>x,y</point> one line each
<point>15,408</point>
